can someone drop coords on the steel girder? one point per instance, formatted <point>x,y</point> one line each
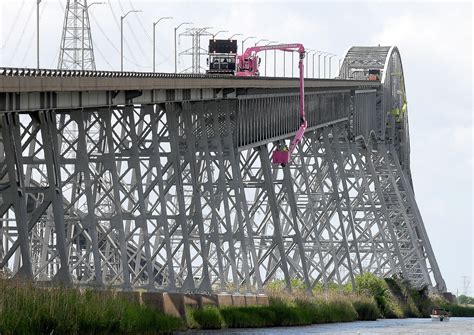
<point>181,196</point>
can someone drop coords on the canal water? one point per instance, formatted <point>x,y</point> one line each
<point>405,326</point>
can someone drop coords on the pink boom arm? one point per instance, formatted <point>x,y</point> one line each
<point>247,65</point>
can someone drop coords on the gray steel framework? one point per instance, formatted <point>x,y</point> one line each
<point>179,194</point>
<point>76,49</point>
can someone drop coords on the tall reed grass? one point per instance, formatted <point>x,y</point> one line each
<point>25,309</point>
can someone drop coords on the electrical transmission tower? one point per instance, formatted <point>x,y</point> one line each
<point>76,52</point>
<point>195,51</point>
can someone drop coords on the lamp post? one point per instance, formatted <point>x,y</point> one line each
<point>235,35</point>
<point>308,51</point>
<point>316,53</point>
<point>175,51</point>
<point>220,31</point>
<point>330,57</point>
<point>154,37</point>
<point>324,64</point>
<point>292,63</point>
<point>319,63</point>
<point>265,69</point>
<point>84,9</point>
<point>243,41</point>
<point>262,40</point>
<point>275,61</point>
<point>37,34</point>
<point>121,35</point>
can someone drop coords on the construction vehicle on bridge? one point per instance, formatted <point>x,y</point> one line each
<point>222,55</point>
<point>247,65</point>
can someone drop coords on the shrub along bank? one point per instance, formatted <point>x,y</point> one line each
<point>26,309</point>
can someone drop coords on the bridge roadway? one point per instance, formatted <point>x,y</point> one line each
<point>164,182</point>
<point>44,80</point>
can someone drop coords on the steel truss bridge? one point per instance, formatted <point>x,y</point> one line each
<point>164,182</point>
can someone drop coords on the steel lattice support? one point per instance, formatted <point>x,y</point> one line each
<point>181,195</point>
<point>76,50</point>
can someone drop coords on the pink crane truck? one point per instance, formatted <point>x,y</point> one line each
<point>247,66</point>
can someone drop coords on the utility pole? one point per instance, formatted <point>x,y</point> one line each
<point>230,38</point>
<point>308,51</point>
<point>76,49</point>
<point>85,8</point>
<point>175,48</point>
<point>265,69</point>
<point>292,63</point>
<point>330,57</point>
<point>37,33</point>
<point>316,53</point>
<point>220,31</point>
<point>154,37</point>
<point>465,285</point>
<point>243,41</point>
<point>195,51</point>
<point>121,35</point>
<point>319,64</point>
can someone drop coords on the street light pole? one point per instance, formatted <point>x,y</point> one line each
<point>319,64</point>
<point>220,31</point>
<point>175,51</point>
<point>262,40</point>
<point>84,9</point>
<point>235,35</point>
<point>292,63</point>
<point>275,61</point>
<point>265,69</point>
<point>324,64</point>
<point>308,51</point>
<point>316,53</point>
<point>154,37</point>
<point>330,57</point>
<point>37,34</point>
<point>243,41</point>
<point>121,35</point>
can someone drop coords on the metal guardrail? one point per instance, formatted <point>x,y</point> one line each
<point>58,73</point>
<point>27,72</point>
<point>274,116</point>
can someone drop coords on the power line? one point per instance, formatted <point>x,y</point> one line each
<point>130,27</point>
<point>104,58</point>
<point>112,44</point>
<point>117,22</point>
<point>15,22</point>
<point>141,24</point>
<point>13,56</point>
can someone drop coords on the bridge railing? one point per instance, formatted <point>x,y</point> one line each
<point>364,119</point>
<point>263,118</point>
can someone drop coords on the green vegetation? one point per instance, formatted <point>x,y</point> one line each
<point>29,310</point>
<point>465,300</point>
<point>369,285</point>
<point>460,311</point>
<point>367,309</point>
<point>207,317</point>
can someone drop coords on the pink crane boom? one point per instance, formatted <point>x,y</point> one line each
<point>247,66</point>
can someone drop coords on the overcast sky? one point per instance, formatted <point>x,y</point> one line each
<point>434,39</point>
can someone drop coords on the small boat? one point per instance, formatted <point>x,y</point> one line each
<point>440,314</point>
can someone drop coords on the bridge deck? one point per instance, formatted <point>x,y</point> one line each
<point>29,80</point>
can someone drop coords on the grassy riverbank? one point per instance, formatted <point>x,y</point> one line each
<point>25,309</point>
<point>28,310</point>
